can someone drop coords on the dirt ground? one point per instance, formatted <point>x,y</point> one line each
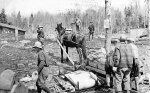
<point>22,60</point>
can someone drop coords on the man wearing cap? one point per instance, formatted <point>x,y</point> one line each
<point>123,62</point>
<point>91,30</point>
<point>136,65</point>
<point>78,25</point>
<point>41,68</point>
<point>109,61</point>
<point>40,35</point>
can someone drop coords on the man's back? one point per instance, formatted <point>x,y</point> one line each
<point>135,50</point>
<point>124,55</point>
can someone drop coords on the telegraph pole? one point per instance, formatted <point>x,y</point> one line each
<point>148,6</point>
<point>107,27</point>
<point>108,33</point>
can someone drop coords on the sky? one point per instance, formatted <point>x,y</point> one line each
<point>26,7</point>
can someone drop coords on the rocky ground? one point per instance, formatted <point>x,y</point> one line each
<point>19,57</point>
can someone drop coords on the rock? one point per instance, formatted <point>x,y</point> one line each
<point>52,37</point>
<point>24,61</point>
<point>26,79</point>
<point>20,65</point>
<point>32,88</point>
<point>4,42</point>
<point>6,79</point>
<point>102,50</point>
<point>30,65</point>
<point>25,41</point>
<point>101,36</point>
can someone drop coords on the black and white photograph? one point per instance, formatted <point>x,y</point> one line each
<point>74,46</point>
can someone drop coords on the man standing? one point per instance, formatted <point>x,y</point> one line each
<point>91,30</point>
<point>40,35</point>
<point>137,63</point>
<point>42,64</point>
<point>123,62</point>
<point>109,61</point>
<point>78,25</point>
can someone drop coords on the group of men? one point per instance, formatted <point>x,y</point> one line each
<point>123,60</point>
<point>122,63</point>
<point>42,58</point>
<point>91,27</point>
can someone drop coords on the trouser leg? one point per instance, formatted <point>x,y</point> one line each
<point>118,77</point>
<point>137,83</point>
<point>126,80</point>
<point>38,88</point>
<point>41,86</point>
<point>108,80</point>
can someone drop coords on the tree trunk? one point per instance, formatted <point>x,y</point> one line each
<point>108,33</point>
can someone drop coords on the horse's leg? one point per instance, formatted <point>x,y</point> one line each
<point>67,53</point>
<point>61,56</point>
<point>80,55</point>
<point>83,47</point>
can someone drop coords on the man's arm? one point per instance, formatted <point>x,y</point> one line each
<point>116,57</point>
<point>41,66</point>
<point>42,62</point>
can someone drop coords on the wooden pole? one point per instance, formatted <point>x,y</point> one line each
<point>107,28</point>
<point>148,2</point>
<point>108,34</point>
<point>16,34</point>
<point>65,52</point>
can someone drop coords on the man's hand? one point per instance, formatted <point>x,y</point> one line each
<point>114,69</point>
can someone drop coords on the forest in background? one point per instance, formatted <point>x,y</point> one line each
<point>130,18</point>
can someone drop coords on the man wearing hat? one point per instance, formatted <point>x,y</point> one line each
<point>123,62</point>
<point>109,61</point>
<point>78,25</point>
<point>40,35</point>
<point>137,63</point>
<point>41,68</point>
<point>91,30</point>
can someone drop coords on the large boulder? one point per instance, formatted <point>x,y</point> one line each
<point>98,55</point>
<point>6,79</point>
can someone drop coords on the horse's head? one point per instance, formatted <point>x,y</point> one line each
<point>60,29</point>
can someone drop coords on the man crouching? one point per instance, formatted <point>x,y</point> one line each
<point>42,64</point>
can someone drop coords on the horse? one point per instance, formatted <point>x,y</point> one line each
<point>77,41</point>
<point>91,30</point>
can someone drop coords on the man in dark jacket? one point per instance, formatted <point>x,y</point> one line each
<point>123,62</point>
<point>109,61</point>
<point>91,30</point>
<point>78,25</point>
<point>42,64</point>
<point>40,35</point>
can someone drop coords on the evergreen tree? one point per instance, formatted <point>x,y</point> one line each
<point>25,23</point>
<point>31,23</point>
<point>3,18</point>
<point>31,19</point>
<point>19,21</point>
